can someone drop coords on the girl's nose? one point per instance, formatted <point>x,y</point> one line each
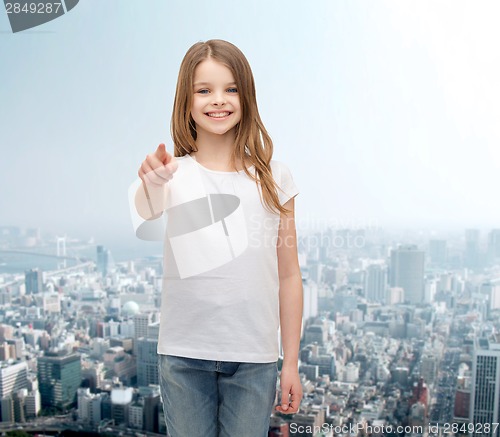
<point>219,99</point>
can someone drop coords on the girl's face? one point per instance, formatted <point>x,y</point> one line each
<point>216,104</point>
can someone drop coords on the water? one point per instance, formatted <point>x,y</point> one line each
<point>44,258</point>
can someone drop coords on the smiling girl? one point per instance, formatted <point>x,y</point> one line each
<point>226,288</point>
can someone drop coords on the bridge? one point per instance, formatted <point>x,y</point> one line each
<point>45,255</point>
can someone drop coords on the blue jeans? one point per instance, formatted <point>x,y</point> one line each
<point>204,398</point>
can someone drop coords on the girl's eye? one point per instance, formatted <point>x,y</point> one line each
<point>232,90</point>
<point>203,91</point>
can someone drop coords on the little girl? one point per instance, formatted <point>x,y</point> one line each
<point>231,276</point>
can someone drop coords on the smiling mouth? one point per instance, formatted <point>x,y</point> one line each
<point>218,114</point>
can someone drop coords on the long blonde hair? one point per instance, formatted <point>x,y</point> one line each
<point>252,139</point>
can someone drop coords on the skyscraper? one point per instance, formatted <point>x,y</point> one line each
<point>147,356</point>
<point>152,403</point>
<point>89,406</point>
<point>407,271</point>
<point>33,281</point>
<point>59,377</point>
<point>121,399</point>
<point>102,260</point>
<point>147,361</point>
<point>141,323</point>
<point>494,244</point>
<point>438,252</point>
<point>376,283</point>
<point>485,396</point>
<point>472,253</point>
<point>13,377</point>
<point>13,381</point>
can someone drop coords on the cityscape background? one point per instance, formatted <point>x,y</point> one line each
<point>400,336</point>
<point>385,112</point>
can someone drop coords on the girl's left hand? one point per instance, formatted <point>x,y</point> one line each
<point>291,390</point>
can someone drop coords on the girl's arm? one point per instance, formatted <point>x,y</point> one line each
<point>150,201</point>
<point>291,303</point>
<point>155,172</point>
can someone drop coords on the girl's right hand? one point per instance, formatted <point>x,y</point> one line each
<point>158,167</point>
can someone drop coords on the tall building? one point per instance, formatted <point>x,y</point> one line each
<point>19,401</point>
<point>141,323</point>
<point>5,351</point>
<point>33,403</point>
<point>407,271</point>
<point>13,381</point>
<point>431,286</point>
<point>147,362</point>
<point>147,357</point>
<point>376,283</point>
<point>136,414</point>
<point>461,410</point>
<point>103,260</point>
<point>485,396</point>
<point>7,410</point>
<point>429,367</point>
<point>120,364</point>
<point>491,292</point>
<point>472,252</point>
<point>49,302</point>
<point>59,377</point>
<point>6,332</point>
<point>13,377</point>
<point>33,280</point>
<point>420,395</point>
<point>438,252</point>
<point>121,398</point>
<point>494,244</point>
<point>89,406</point>
<point>152,403</point>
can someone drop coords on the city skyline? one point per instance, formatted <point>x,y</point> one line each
<point>386,338</point>
<point>26,240</point>
<point>384,112</point>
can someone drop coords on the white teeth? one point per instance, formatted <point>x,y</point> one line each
<point>218,115</point>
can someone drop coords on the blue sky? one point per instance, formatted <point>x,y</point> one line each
<point>385,111</point>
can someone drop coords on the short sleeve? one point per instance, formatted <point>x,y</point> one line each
<point>148,230</point>
<point>287,187</point>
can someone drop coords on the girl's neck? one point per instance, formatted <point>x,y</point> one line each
<point>215,150</point>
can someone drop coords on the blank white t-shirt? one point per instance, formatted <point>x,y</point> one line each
<point>220,296</point>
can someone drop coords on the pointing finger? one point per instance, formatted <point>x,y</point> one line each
<point>161,153</point>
